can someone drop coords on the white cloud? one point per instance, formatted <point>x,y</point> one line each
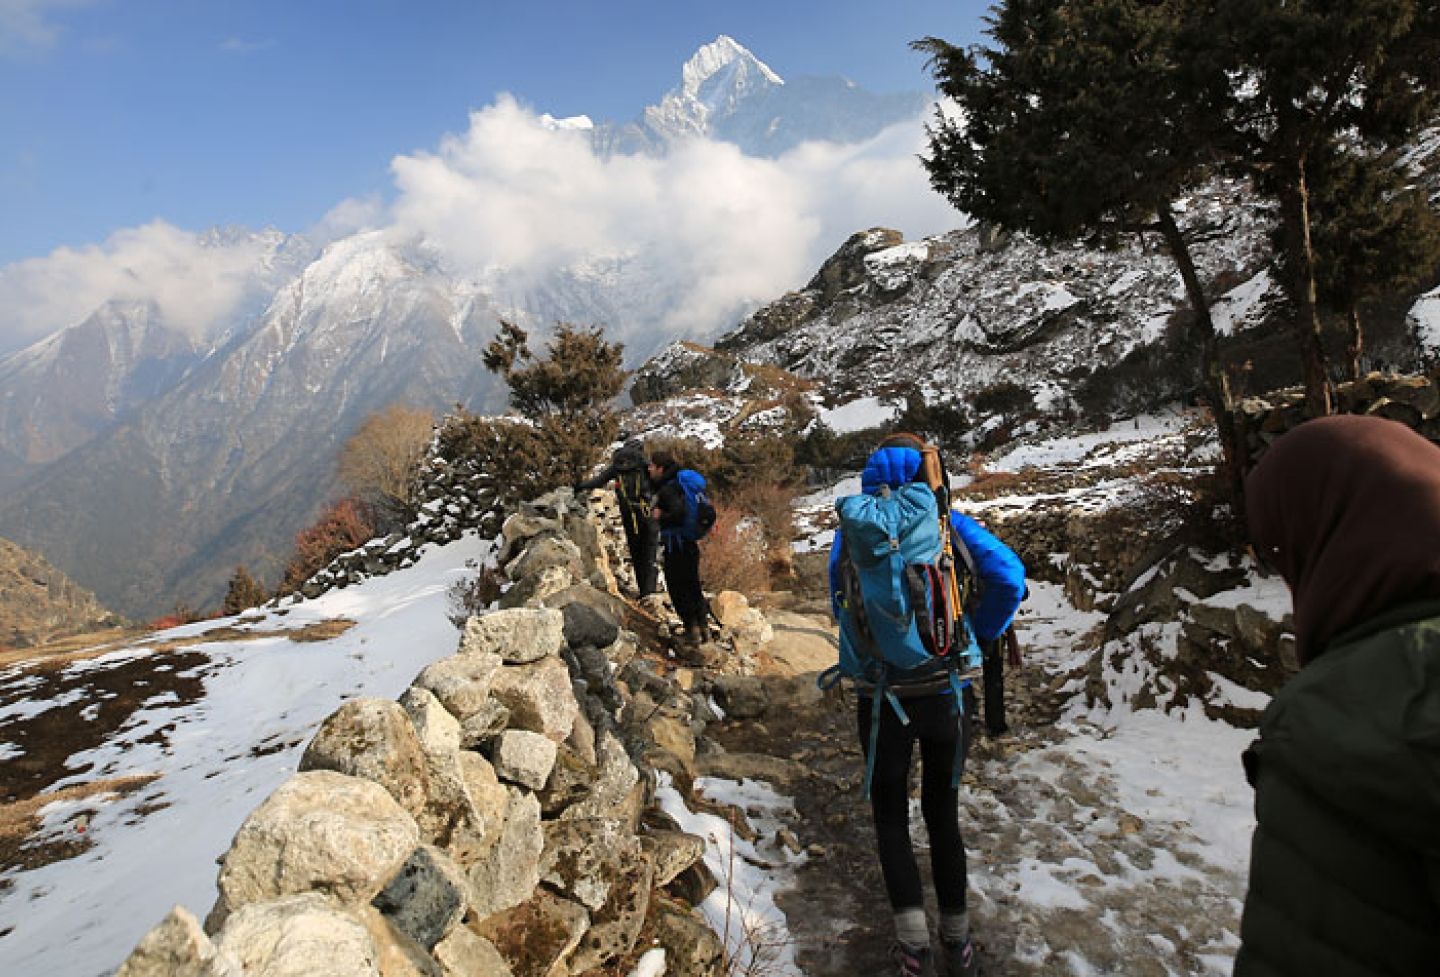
<point>349,216</point>
<point>29,25</point>
<point>699,236</point>
<point>194,281</point>
<point>714,230</point>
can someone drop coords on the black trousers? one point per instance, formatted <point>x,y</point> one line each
<point>940,733</point>
<point>643,537</point>
<point>682,579</point>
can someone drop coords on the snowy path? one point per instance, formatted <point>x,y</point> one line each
<point>1093,851</point>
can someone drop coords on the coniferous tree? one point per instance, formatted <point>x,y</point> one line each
<point>1300,84</point>
<point>1081,119</point>
<point>1374,230</point>
<point>243,593</point>
<point>1093,114</point>
<point>568,394</point>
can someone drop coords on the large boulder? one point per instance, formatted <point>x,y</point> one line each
<point>373,739</point>
<point>617,791</point>
<point>518,635</point>
<point>299,936</point>
<point>465,953</point>
<point>539,696</point>
<point>547,551</point>
<point>321,831</point>
<point>439,731</point>
<point>506,874</point>
<point>538,936</point>
<point>533,588</point>
<point>615,925</point>
<point>582,858</point>
<point>461,682</point>
<point>691,947</point>
<point>524,758</point>
<point>427,898</point>
<point>178,947</point>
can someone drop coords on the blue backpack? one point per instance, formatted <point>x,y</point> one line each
<point>901,606</point>
<point>900,615</point>
<point>699,512</point>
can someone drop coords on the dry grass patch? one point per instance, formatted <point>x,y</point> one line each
<point>321,630</point>
<point>20,819</point>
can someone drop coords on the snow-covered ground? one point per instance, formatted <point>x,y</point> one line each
<point>214,761</point>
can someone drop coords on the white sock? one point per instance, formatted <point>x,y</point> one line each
<point>955,927</point>
<point>911,928</point>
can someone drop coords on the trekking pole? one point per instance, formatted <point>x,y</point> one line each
<point>994,681</point>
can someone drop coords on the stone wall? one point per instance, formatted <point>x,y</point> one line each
<point>1408,398</point>
<point>496,821</point>
<point>455,497</point>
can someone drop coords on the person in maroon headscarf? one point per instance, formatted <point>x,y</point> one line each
<point>1345,861</point>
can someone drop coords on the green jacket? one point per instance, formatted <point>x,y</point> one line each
<point>1345,862</point>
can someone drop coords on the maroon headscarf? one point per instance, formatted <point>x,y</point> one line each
<point>1348,510</point>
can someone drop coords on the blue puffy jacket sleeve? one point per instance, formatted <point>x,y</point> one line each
<point>1002,577</point>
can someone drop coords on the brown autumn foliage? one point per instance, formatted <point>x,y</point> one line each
<point>341,527</point>
<point>377,464</point>
<point>734,555</point>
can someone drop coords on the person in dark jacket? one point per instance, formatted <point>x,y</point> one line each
<point>681,558</point>
<point>1345,859</point>
<point>628,469</point>
<point>942,731</point>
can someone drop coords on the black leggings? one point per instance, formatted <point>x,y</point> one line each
<point>933,722</point>
<point>682,580</point>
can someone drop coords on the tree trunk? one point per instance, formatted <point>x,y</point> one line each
<point>1300,255</point>
<point>1355,345</point>
<point>1213,377</point>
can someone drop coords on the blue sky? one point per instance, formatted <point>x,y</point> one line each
<point>116,113</point>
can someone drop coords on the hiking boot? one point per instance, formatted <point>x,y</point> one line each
<point>911,961</point>
<point>961,959</point>
<point>695,635</point>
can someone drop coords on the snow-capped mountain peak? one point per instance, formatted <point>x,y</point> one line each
<point>716,79</point>
<point>724,55</point>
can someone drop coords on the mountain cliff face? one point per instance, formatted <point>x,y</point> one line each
<point>226,466</point>
<point>83,381</point>
<point>1078,329</point>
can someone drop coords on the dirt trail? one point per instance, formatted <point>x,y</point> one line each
<point>1030,810</point>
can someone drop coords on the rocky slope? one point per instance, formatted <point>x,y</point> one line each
<point>38,603</point>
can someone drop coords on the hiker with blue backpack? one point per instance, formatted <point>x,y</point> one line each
<point>685,514</point>
<point>915,587</point>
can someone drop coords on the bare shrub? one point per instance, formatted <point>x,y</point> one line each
<point>377,464</point>
<point>473,595</point>
<point>734,555</point>
<point>773,506</point>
